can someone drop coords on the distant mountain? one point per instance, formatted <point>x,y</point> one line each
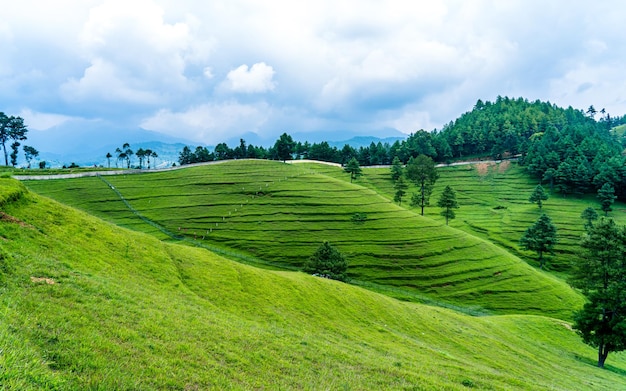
<point>86,143</point>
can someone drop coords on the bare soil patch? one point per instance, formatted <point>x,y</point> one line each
<point>42,280</point>
<point>10,219</point>
<point>505,165</point>
<point>483,168</point>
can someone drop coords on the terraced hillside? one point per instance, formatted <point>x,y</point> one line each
<point>494,205</point>
<point>88,305</point>
<point>277,214</point>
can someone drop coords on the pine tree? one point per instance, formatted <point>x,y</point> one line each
<point>538,196</point>
<point>600,273</point>
<point>540,237</point>
<point>353,168</point>
<point>447,201</point>
<point>400,187</point>
<point>607,197</point>
<point>327,262</point>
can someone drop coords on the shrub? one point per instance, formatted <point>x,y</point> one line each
<point>327,262</point>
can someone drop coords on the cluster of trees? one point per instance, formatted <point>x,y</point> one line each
<point>599,272</point>
<point>125,154</point>
<point>12,128</point>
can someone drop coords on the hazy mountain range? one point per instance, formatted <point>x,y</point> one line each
<point>87,143</point>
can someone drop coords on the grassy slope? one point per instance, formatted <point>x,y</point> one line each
<point>127,311</point>
<point>280,213</point>
<point>494,205</point>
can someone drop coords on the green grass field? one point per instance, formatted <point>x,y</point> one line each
<point>88,305</point>
<point>276,214</point>
<point>494,206</point>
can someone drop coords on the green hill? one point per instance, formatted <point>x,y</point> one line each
<point>494,206</point>
<point>88,305</point>
<point>276,214</point>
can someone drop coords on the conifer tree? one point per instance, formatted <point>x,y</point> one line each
<point>538,196</point>
<point>448,202</point>
<point>540,237</point>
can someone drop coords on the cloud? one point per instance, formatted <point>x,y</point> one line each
<point>135,56</point>
<point>210,123</point>
<point>43,121</point>
<point>256,79</point>
<point>215,68</point>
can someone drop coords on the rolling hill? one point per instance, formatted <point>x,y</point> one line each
<point>274,214</point>
<point>89,305</point>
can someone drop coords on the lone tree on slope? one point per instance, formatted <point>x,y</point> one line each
<point>396,169</point>
<point>600,273</point>
<point>447,201</point>
<point>353,168</point>
<point>538,196</point>
<point>421,171</point>
<point>400,187</point>
<point>327,262</point>
<point>540,237</point>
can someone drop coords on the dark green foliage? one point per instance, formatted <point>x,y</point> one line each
<point>11,128</point>
<point>448,202</point>
<point>359,218</point>
<point>14,150</point>
<point>589,215</point>
<point>353,168</point>
<point>538,196</point>
<point>327,262</point>
<point>284,147</point>
<point>540,237</point>
<point>600,272</point>
<point>607,197</point>
<point>400,186</point>
<point>421,170</point>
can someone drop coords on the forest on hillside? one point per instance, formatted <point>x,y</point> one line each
<point>573,151</point>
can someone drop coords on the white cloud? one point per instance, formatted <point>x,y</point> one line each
<point>210,123</point>
<point>208,73</point>
<point>42,121</point>
<point>258,78</point>
<point>134,55</point>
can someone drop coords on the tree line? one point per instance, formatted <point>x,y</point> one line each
<point>13,131</point>
<point>125,154</point>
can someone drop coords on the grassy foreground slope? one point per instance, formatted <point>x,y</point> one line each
<point>87,305</point>
<point>280,213</point>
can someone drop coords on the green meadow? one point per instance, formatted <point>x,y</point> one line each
<point>89,305</point>
<point>275,215</point>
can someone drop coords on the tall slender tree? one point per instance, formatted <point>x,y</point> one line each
<point>421,170</point>
<point>538,196</point>
<point>11,128</point>
<point>30,153</point>
<point>353,168</point>
<point>607,197</point>
<point>448,202</point>
<point>109,156</point>
<point>400,187</point>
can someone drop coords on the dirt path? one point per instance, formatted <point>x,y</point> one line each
<point>130,172</point>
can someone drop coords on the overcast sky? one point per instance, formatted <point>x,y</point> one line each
<point>210,70</point>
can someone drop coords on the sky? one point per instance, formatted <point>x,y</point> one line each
<point>207,70</point>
